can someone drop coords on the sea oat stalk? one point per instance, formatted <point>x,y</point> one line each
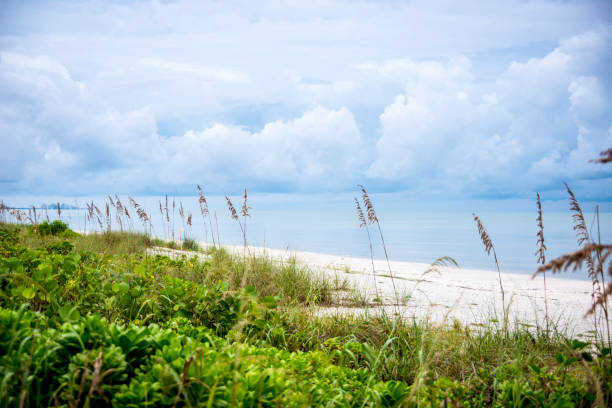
<point>604,157</point>
<point>541,254</point>
<point>583,238</point>
<point>488,244</point>
<point>234,215</point>
<point>363,223</point>
<point>204,211</point>
<point>372,218</point>
<point>573,261</point>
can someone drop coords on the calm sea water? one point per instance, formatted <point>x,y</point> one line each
<point>413,231</point>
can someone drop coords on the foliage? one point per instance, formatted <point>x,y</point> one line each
<point>98,320</point>
<point>9,242</point>
<point>85,360</point>
<point>56,227</point>
<point>189,244</point>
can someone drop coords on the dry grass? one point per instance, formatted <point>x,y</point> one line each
<point>604,157</point>
<point>231,208</point>
<point>142,214</point>
<point>594,259</point>
<point>582,232</point>
<point>363,223</point>
<point>574,261</point>
<point>488,244</point>
<point>541,246</point>
<point>206,213</point>
<point>372,218</point>
<point>242,225</point>
<point>541,254</point>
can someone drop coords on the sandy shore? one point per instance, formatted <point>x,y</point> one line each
<point>471,296</point>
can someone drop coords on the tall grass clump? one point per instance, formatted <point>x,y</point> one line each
<point>294,284</point>
<point>188,244</point>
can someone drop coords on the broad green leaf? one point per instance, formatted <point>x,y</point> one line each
<point>69,313</point>
<point>45,268</point>
<point>140,270</point>
<point>28,293</point>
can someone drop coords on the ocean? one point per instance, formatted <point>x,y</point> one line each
<point>413,230</point>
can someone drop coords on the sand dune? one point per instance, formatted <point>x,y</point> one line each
<point>471,296</point>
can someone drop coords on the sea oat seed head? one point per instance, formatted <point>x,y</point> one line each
<point>360,215</point>
<point>540,253</point>
<point>232,209</point>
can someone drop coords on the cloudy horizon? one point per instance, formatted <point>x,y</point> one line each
<point>150,97</point>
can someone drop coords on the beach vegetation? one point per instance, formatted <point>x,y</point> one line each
<point>107,318</point>
<point>124,318</point>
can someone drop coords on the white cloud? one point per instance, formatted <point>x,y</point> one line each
<point>542,82</point>
<point>320,148</point>
<point>586,96</point>
<point>205,72</point>
<point>153,95</point>
<point>426,73</point>
<point>40,63</point>
<point>84,145</point>
<point>538,123</point>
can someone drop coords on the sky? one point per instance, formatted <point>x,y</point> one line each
<point>441,99</point>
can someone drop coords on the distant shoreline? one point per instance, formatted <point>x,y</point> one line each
<point>48,208</point>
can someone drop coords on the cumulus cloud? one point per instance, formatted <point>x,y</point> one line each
<point>86,146</point>
<point>320,149</point>
<point>156,96</point>
<point>586,97</point>
<point>538,123</point>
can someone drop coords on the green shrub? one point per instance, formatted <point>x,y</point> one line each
<point>54,228</point>
<point>9,242</point>
<point>86,361</point>
<point>61,247</point>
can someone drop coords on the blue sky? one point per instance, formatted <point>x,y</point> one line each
<point>439,98</point>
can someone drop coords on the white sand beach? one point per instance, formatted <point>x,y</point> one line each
<point>471,296</point>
